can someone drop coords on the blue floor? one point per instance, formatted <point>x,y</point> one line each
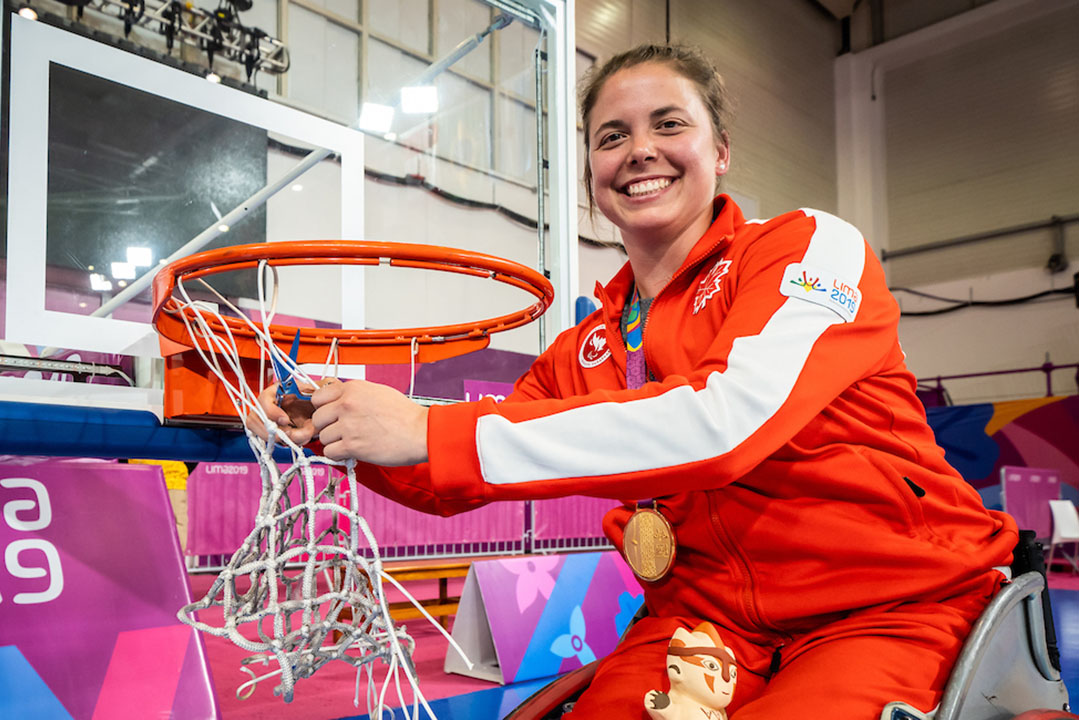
<point>1066,618</point>
<point>493,704</point>
<point>496,703</point>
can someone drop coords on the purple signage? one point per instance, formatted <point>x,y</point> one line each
<point>476,389</point>
<point>542,614</point>
<point>90,582</point>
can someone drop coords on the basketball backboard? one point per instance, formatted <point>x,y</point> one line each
<point>116,157</point>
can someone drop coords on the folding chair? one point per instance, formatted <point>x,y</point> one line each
<point>1065,530</point>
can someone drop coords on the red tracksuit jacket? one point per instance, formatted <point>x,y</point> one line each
<point>782,438</point>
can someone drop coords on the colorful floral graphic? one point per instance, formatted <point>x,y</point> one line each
<point>534,579</point>
<point>573,643</point>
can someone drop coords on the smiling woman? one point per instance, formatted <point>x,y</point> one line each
<point>654,166</point>
<point>742,390</point>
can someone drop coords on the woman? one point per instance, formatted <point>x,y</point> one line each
<point>824,554</point>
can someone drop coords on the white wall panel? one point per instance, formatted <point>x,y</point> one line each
<point>978,139</point>
<point>607,27</point>
<point>776,59</point>
<point>324,74</point>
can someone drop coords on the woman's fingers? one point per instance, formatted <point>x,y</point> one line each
<point>370,422</point>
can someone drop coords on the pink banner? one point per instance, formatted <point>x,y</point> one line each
<point>570,517</point>
<point>395,524</point>
<point>89,590</point>
<point>223,500</point>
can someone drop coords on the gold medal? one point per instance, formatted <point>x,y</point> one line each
<point>648,544</point>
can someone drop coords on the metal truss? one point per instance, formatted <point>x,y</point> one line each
<point>218,33</point>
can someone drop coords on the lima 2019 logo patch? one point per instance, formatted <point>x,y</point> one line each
<point>822,287</point>
<point>710,285</point>
<point>594,349</point>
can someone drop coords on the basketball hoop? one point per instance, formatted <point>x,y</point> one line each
<point>216,366</point>
<point>354,347</point>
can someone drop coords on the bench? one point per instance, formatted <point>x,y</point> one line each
<point>441,607</point>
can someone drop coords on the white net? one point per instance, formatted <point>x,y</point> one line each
<point>307,585</point>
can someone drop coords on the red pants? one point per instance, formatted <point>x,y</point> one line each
<point>847,669</point>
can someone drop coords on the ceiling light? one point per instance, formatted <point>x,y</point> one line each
<point>213,77</point>
<point>140,256</point>
<point>123,271</point>
<point>297,187</point>
<point>376,118</point>
<point>99,283</point>
<point>122,283</point>
<point>420,99</point>
<point>223,228</point>
<point>28,12</point>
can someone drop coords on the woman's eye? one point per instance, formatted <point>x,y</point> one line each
<point>609,138</point>
<point>670,124</point>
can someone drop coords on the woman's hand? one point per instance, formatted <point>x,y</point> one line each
<point>293,415</point>
<point>370,422</point>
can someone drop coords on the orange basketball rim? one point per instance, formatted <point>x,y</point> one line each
<point>354,346</point>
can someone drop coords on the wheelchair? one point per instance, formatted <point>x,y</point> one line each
<point>1008,669</point>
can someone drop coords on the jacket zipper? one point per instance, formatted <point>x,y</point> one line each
<point>749,603</point>
<point>678,273</point>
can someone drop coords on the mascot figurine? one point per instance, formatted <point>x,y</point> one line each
<point>702,674</point>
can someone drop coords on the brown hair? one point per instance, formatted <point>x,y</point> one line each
<point>688,62</point>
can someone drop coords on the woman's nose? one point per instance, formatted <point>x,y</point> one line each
<point>643,151</point>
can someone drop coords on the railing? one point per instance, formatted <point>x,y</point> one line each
<point>935,384</point>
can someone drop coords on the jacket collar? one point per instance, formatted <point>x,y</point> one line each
<point>728,218</point>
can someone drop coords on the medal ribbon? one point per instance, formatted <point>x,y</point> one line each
<point>636,372</point>
<point>636,376</point>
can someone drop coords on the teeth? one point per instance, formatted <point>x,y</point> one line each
<point>648,186</point>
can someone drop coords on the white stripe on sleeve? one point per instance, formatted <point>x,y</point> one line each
<point>682,425</point>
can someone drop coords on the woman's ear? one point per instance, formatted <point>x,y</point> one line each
<point>723,154</point>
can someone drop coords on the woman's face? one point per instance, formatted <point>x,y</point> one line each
<point>654,155</point>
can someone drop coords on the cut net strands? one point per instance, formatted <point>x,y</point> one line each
<point>288,621</point>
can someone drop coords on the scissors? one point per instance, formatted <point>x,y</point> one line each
<point>286,380</point>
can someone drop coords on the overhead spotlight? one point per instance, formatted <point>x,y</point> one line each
<point>27,12</point>
<point>297,187</point>
<point>122,283</point>
<point>375,117</point>
<point>421,99</point>
<point>140,256</point>
<point>99,282</point>
<point>123,271</point>
<point>213,77</point>
<point>223,228</point>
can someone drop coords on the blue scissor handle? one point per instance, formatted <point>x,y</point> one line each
<point>285,378</point>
